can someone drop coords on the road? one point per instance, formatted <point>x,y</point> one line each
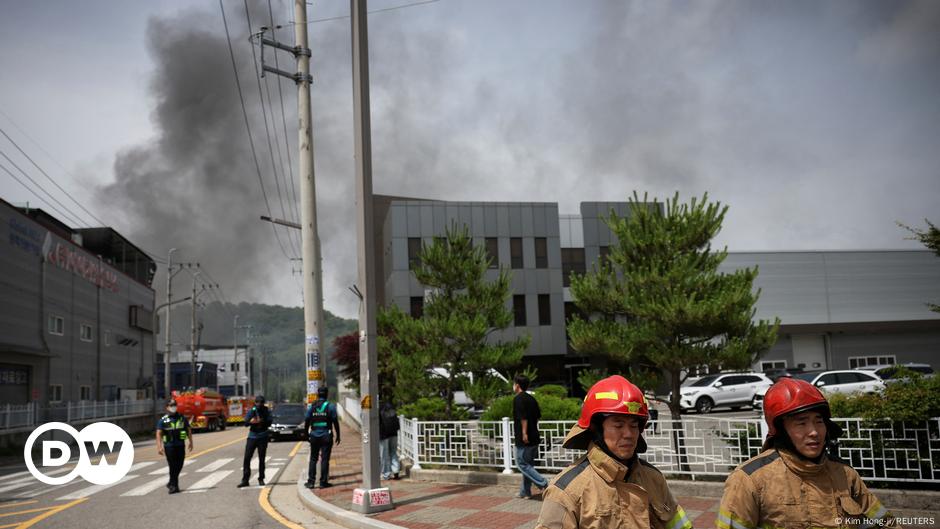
<point>209,497</point>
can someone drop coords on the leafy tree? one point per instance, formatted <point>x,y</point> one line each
<point>459,317</point>
<point>929,238</point>
<point>660,301</point>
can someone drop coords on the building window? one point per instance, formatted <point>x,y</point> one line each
<point>603,253</point>
<point>545,309</point>
<point>518,311</point>
<point>56,325</point>
<point>572,261</point>
<point>417,307</point>
<point>85,392</point>
<point>414,253</point>
<point>862,361</point>
<point>541,252</point>
<point>492,250</point>
<point>515,253</point>
<point>233,367</point>
<point>107,338</point>
<point>55,393</point>
<point>85,335</point>
<point>773,364</point>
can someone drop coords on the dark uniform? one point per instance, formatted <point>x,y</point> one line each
<point>173,428</point>
<point>320,420</point>
<point>257,440</point>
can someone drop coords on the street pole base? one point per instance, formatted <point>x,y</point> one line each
<point>368,501</point>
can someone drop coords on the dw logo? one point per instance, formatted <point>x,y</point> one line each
<point>107,442</point>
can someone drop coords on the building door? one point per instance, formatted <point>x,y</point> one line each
<point>809,351</point>
<point>14,384</point>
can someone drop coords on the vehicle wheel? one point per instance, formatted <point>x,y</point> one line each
<point>222,425</point>
<point>212,424</point>
<point>754,404</point>
<point>704,405</point>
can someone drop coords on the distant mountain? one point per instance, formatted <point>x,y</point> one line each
<point>277,335</point>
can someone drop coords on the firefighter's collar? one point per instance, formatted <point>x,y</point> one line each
<point>606,467</point>
<point>800,465</point>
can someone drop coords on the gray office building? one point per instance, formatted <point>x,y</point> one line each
<point>839,309</point>
<point>76,312</point>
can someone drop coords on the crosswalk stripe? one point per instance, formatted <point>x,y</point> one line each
<point>94,489</point>
<point>270,473</point>
<point>209,481</point>
<point>215,465</point>
<point>254,462</point>
<point>27,481</point>
<point>166,470</point>
<point>148,487</point>
<point>138,466</point>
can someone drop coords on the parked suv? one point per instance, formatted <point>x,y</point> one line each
<point>287,420</point>
<point>843,381</point>
<point>729,389</point>
<point>893,373</point>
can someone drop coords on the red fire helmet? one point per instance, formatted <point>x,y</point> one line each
<point>612,395</point>
<point>791,395</point>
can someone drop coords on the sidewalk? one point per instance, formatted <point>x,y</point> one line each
<point>430,505</point>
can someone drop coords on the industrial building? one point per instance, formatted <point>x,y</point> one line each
<point>76,312</point>
<point>233,369</point>
<point>838,309</point>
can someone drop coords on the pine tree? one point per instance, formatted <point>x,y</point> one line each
<point>660,301</point>
<point>929,238</point>
<point>460,315</point>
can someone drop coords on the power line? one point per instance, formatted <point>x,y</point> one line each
<point>72,217</point>
<point>31,190</point>
<point>251,141</point>
<point>371,12</point>
<point>44,173</point>
<point>290,163</point>
<point>267,132</point>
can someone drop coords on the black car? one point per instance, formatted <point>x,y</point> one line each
<point>287,420</point>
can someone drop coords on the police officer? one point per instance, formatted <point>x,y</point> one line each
<point>258,419</point>
<point>610,486</point>
<point>798,480</point>
<point>173,434</point>
<point>319,424</point>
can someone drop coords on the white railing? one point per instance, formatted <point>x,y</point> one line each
<point>699,446</point>
<point>26,415</point>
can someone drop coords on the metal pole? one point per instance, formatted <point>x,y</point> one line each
<point>169,301</point>
<point>368,380</point>
<point>193,336</point>
<point>237,388</point>
<point>313,297</point>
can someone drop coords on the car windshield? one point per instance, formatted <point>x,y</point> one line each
<point>288,415</point>
<point>704,381</point>
<point>806,376</point>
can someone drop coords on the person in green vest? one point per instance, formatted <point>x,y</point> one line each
<point>319,424</point>
<point>173,437</point>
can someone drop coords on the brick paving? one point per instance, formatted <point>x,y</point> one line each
<point>429,505</point>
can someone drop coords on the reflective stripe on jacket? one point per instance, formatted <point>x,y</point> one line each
<point>599,492</point>
<point>778,490</point>
<point>174,430</point>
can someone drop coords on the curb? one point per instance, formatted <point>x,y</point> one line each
<point>893,499</point>
<point>349,519</point>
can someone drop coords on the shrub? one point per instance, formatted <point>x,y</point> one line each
<point>432,409</point>
<point>553,408</point>
<point>554,390</point>
<point>915,399</point>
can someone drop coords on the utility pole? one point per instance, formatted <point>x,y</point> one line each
<point>370,498</point>
<point>169,303</point>
<point>313,283</point>
<point>193,333</point>
<point>237,388</point>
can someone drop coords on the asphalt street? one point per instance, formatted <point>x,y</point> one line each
<point>209,497</point>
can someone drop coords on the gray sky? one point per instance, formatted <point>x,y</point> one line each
<point>818,123</point>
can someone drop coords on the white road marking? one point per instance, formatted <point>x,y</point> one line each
<point>215,465</point>
<point>94,489</point>
<point>254,462</point>
<point>209,481</point>
<point>148,487</point>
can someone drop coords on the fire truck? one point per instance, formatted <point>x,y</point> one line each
<point>237,408</point>
<point>204,408</point>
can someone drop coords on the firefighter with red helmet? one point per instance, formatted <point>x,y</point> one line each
<point>610,486</point>
<point>798,480</point>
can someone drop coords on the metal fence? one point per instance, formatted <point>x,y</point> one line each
<point>27,415</point>
<point>698,446</point>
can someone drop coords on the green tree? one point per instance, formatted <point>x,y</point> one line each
<point>460,315</point>
<point>659,300</point>
<point>929,238</point>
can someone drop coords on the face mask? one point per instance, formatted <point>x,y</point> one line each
<point>171,409</point>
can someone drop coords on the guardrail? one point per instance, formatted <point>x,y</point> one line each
<point>31,414</point>
<point>699,446</point>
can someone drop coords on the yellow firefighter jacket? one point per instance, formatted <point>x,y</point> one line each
<point>777,489</point>
<point>599,492</point>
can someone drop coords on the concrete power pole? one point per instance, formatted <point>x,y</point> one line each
<point>237,388</point>
<point>169,304</point>
<point>370,498</point>
<point>193,334</point>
